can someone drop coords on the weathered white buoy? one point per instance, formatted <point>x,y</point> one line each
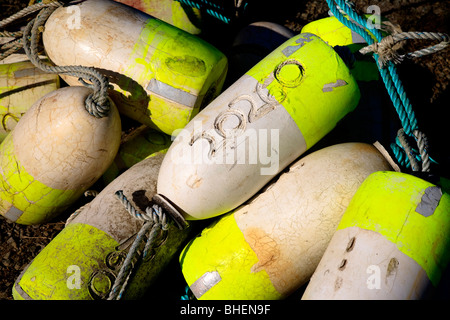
<point>173,12</point>
<point>21,84</point>
<point>270,246</point>
<point>84,259</point>
<point>162,75</point>
<point>255,128</point>
<point>56,151</point>
<point>393,242</point>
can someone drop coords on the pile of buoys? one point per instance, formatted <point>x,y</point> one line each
<point>234,166</point>
<point>269,247</point>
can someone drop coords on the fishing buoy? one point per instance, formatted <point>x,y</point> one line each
<point>269,247</point>
<point>83,261</point>
<point>21,84</point>
<point>256,127</point>
<point>56,151</point>
<point>162,75</point>
<point>392,242</point>
<point>134,147</point>
<point>252,44</point>
<point>372,119</point>
<point>173,12</point>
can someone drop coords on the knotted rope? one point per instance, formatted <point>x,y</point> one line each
<point>388,72</point>
<point>386,52</point>
<point>97,103</point>
<point>155,221</point>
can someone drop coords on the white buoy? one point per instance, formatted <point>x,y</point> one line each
<point>258,126</point>
<point>56,152</point>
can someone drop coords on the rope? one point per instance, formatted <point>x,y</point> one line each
<point>154,221</point>
<point>28,10</point>
<point>387,68</point>
<point>97,103</point>
<point>385,50</point>
<point>16,44</point>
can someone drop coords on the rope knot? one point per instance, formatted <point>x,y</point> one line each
<point>387,48</point>
<point>98,110</point>
<point>386,51</point>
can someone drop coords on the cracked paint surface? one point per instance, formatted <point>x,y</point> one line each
<point>270,246</point>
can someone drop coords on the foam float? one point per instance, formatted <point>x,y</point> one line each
<point>56,151</point>
<point>392,242</point>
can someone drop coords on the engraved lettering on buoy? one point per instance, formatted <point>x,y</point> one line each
<point>350,244</point>
<point>342,264</point>
<point>255,113</point>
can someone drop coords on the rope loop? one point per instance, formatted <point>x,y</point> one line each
<point>386,56</point>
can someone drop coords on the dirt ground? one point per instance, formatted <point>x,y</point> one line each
<point>426,81</point>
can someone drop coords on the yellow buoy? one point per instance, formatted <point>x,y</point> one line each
<point>259,125</point>
<point>393,242</point>
<point>173,12</point>
<point>56,151</point>
<point>252,44</point>
<point>162,75</point>
<point>371,120</point>
<point>270,246</point>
